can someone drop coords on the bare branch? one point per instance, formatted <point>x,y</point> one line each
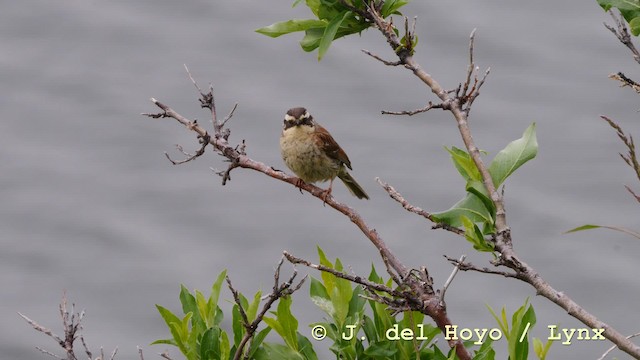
<point>633,193</point>
<point>622,33</point>
<point>71,323</point>
<point>395,195</point>
<point>625,81</point>
<point>353,278</point>
<point>204,140</point>
<point>467,266</point>
<point>279,290</point>
<point>631,157</point>
<point>388,63</point>
<point>430,106</point>
<point>615,347</point>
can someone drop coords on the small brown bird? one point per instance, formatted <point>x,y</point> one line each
<point>313,155</point>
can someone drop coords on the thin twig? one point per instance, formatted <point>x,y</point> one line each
<point>467,266</point>
<point>429,106</point>
<point>625,81</point>
<point>631,157</point>
<point>388,63</point>
<point>615,346</point>
<point>622,33</point>
<point>189,157</point>
<point>395,195</point>
<point>451,276</point>
<point>279,290</point>
<point>353,278</point>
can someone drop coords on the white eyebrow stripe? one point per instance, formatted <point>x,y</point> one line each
<point>306,115</point>
<point>288,117</point>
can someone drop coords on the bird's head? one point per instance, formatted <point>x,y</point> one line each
<point>296,117</point>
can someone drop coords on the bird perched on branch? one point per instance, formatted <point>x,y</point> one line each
<point>313,155</point>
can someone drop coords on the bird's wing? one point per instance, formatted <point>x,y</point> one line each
<point>329,145</point>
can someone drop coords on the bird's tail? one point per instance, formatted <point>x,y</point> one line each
<point>353,186</point>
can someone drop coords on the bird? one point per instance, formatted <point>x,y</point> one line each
<point>313,155</point>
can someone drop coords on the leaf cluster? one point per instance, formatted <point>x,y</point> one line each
<point>477,207</point>
<point>332,20</point>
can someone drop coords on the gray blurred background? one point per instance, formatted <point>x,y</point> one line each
<point>90,205</point>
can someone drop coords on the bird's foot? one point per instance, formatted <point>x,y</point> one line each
<point>299,183</point>
<point>325,195</point>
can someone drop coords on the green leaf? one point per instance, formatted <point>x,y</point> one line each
<point>330,33</point>
<point>391,7</point>
<point>328,279</point>
<point>289,26</point>
<point>257,341</point>
<point>369,328</point>
<point>314,6</point>
<point>540,349</point>
<point>486,351</point>
<point>476,187</point>
<point>634,25</point>
<point>470,206</point>
<point>383,350</point>
<point>514,155</point>
<point>311,39</point>
<point>502,321</point>
<point>210,344</point>
<point>616,228</point>
<point>320,297</point>
<point>252,310</point>
<point>281,352</point>
<point>306,348</point>
<point>286,325</point>
<point>189,305</point>
<point>474,236</point>
<point>464,164</point>
<point>356,304</point>
<point>295,3</point>
<point>522,320</point>
<point>236,324</point>
<point>213,309</point>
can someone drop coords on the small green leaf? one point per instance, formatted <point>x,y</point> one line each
<point>502,321</point>
<point>252,310</point>
<point>486,351</point>
<point>476,187</point>
<point>212,304</point>
<point>514,155</point>
<point>616,228</point>
<point>306,348</point>
<point>470,206</point>
<point>257,341</point>
<point>474,236</point>
<point>281,352</point>
<point>320,297</point>
<point>295,3</point>
<point>584,227</point>
<point>391,7</point>
<point>210,344</point>
<point>285,324</point>
<point>464,164</point>
<point>330,33</point>
<point>311,39</point>
<point>289,26</point>
<point>369,328</point>
<point>383,350</point>
<point>314,6</point>
<point>634,25</point>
